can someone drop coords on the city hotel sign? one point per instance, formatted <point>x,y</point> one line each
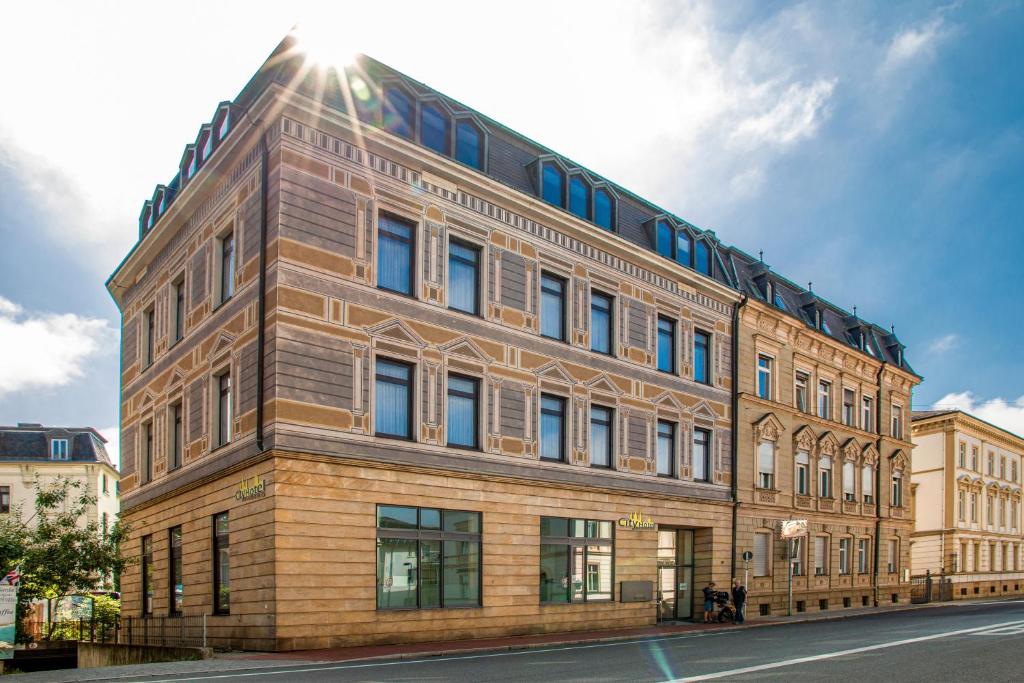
<point>253,487</point>
<point>637,521</point>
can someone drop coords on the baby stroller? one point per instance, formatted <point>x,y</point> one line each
<point>726,614</point>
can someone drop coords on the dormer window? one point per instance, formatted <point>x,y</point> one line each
<point>666,239</point>
<point>603,211</point>
<point>58,449</point>
<point>204,146</point>
<point>779,302</point>
<point>147,210</point>
<point>435,128</point>
<point>469,147</point>
<point>398,112</point>
<point>579,197</point>
<point>224,125</point>
<point>190,164</point>
<point>702,258</point>
<point>553,185</point>
<point>768,291</point>
<point>684,247</point>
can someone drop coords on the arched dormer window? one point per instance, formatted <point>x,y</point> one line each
<point>579,197</point>
<point>553,184</point>
<point>604,212</point>
<point>435,128</point>
<point>702,258</point>
<point>398,111</point>
<point>684,247</point>
<point>469,144</point>
<point>665,239</point>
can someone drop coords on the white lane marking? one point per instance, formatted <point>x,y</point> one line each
<point>840,653</point>
<point>1011,630</point>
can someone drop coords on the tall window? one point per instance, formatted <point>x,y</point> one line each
<point>862,556</point>
<point>897,421</point>
<point>603,209</point>
<point>600,322</point>
<point>666,239</point>
<point>800,391</point>
<point>221,565</point>
<point>825,477</point>
<point>974,507</point>
<point>849,414</point>
<point>702,258</point>
<point>962,506</point>
<point>463,277</point>
<point>849,481</point>
<point>463,411</point>
<point>701,357</point>
<point>176,576</point>
<point>867,414</point>
<point>59,449</point>
<point>803,460</point>
<point>147,452</point>
<point>393,389</point>
<point>762,553</point>
<point>435,129</point>
<point>666,345</point>
<point>178,311</point>
<point>897,489</point>
<point>224,409</point>
<point>150,332</point>
<point>974,458</point>
<point>684,248</point>
<point>894,556</point>
<point>600,436</point>
<point>227,266</point>
<point>766,465</point>
<point>991,464</point>
<point>576,560</point>
<point>844,556</point>
<point>469,148</point>
<point>5,499</point>
<point>427,557</point>
<point>552,307</point>
<point>820,555</point>
<point>579,197</point>
<point>395,254</point>
<point>701,455</point>
<point>963,454</point>
<point>398,112</point>
<point>552,427</point>
<point>867,483</point>
<point>666,449</point>
<point>147,575</point>
<point>764,376</point>
<point>797,556</point>
<point>175,433</point>
<point>553,185</point>
<point>825,400</point>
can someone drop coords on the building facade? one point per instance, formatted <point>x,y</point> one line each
<point>823,399</point>
<point>393,372</point>
<point>967,474</point>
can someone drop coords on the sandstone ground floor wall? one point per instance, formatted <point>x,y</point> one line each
<point>304,553</point>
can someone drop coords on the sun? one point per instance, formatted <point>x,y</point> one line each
<point>325,45</point>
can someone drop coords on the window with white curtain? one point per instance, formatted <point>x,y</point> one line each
<point>797,556</point>
<point>849,481</point>
<point>552,307</point>
<point>844,556</point>
<point>552,427</point>
<point>897,489</point>
<point>600,322</point>
<point>862,556</point>
<point>463,411</point>
<point>762,553</point>
<point>701,455</point>
<point>820,555</point>
<point>601,436</point>
<point>393,399</point>
<point>395,254</point>
<point>867,483</point>
<point>894,559</point>
<point>803,462</point>
<point>463,277</point>
<point>766,465</point>
<point>825,476</point>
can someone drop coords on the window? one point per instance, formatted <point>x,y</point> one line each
<point>553,185</point>
<point>974,507</point>
<point>666,345</point>
<point>221,565</point>
<point>701,357</point>
<point>764,376</point>
<point>227,267</point>
<point>991,464</point>
<point>800,391</point>
<point>963,454</point>
<point>601,329</point>
<point>779,302</point>
<point>897,421</point>
<point>867,414</point>
<point>552,427</point>
<point>463,411</point>
<point>174,435</point>
<point>684,248</point>
<point>849,402</point>
<point>820,555</point>
<point>469,148</point>
<point>59,449</point>
<point>803,459</point>
<point>579,197</point>
<point>395,254</point>
<point>762,553</point>
<point>974,458</point>
<point>552,307</point>
<point>103,483</point>
<point>600,436</point>
<point>435,129</point>
<point>149,335</point>
<point>701,455</point>
<point>766,465</point>
<point>576,560</point>
<point>862,556</point>
<point>825,399</point>
<point>962,506</point>
<point>393,410</point>
<point>894,556</point>
<point>897,489</point>
<point>849,481</point>
<point>1013,470</point>
<point>176,574</point>
<point>398,112</point>
<point>1013,514</point>
<point>177,311</point>
<point>665,239</point>
<point>147,453</point>
<point>867,483</point>
<point>702,258</point>
<point>5,499</point>
<point>463,277</point>
<point>844,556</point>
<point>797,557</point>
<point>147,575</point>
<point>666,449</point>
<point>604,213</point>
<point>224,409</point>
<point>825,477</point>
<point>427,557</point>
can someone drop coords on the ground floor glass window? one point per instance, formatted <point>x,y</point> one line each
<point>576,560</point>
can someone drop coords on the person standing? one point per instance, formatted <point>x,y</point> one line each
<point>709,603</point>
<point>739,598</point>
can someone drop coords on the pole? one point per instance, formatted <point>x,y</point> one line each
<point>789,562</point>
<point>746,574</point>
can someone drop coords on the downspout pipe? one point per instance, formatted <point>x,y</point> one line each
<point>261,300</point>
<point>735,398</point>
<point>878,480</point>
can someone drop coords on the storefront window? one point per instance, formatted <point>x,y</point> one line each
<point>427,558</point>
<point>576,560</point>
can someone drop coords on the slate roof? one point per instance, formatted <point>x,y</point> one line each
<point>31,442</point>
<point>510,156</point>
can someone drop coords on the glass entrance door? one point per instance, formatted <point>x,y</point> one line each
<point>675,574</point>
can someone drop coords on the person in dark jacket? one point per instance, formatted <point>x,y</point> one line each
<point>739,598</point>
<point>709,603</point>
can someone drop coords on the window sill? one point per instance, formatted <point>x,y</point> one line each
<point>220,305</point>
<point>475,448</point>
<point>407,295</point>
<point>557,461</point>
<point>394,437</point>
<point>427,609</point>
<point>562,339</point>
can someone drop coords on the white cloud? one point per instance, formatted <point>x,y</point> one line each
<point>998,411</point>
<point>796,115</point>
<point>46,350</point>
<point>946,342</point>
<point>914,44</point>
<point>113,445</point>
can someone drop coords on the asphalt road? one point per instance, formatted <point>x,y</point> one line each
<point>971,642</point>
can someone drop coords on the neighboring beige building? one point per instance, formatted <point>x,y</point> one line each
<point>967,475</point>
<point>31,453</point>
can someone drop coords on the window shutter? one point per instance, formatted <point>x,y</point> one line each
<point>761,545</point>
<point>819,553</point>
<point>766,458</point>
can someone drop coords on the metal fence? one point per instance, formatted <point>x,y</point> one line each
<point>177,631</point>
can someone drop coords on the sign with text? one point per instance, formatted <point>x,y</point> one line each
<point>8,602</point>
<point>252,487</point>
<point>636,521</point>
<point>792,528</point>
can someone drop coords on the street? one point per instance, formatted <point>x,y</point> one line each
<point>956,642</point>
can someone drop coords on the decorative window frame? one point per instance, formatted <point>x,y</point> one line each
<point>768,429</point>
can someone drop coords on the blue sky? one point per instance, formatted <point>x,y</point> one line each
<point>876,149</point>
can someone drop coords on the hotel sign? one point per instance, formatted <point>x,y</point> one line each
<point>637,521</point>
<point>252,487</point>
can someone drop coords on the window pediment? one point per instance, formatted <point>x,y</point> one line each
<point>804,438</point>
<point>828,444</point>
<point>768,428</point>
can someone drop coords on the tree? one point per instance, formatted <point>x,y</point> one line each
<point>60,552</point>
